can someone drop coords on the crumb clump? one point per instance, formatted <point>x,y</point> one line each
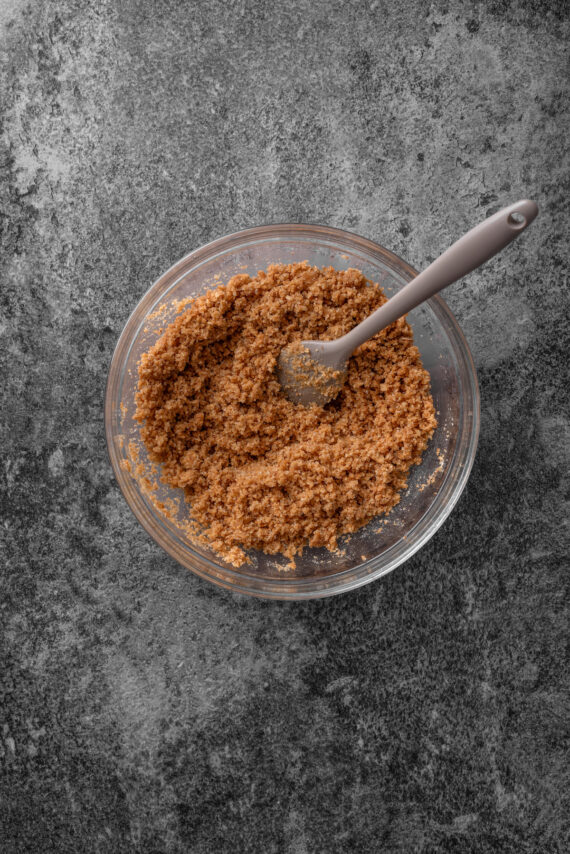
<point>258,471</point>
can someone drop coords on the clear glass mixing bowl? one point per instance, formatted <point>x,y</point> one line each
<point>434,486</point>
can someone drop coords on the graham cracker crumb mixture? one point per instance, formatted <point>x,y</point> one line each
<point>259,471</point>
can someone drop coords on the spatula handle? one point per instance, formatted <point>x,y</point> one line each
<point>469,252</point>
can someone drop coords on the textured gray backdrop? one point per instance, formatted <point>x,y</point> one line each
<point>142,710</point>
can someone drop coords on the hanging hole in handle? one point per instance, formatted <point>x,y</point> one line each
<point>516,219</point>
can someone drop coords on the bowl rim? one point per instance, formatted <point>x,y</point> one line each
<point>311,588</point>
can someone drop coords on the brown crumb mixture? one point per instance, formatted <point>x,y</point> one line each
<point>259,471</point>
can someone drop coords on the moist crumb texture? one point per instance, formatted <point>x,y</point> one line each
<point>258,471</point>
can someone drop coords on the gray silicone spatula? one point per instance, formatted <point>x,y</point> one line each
<point>315,371</point>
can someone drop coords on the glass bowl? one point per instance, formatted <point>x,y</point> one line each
<point>434,486</point>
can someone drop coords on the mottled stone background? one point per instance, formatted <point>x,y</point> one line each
<point>142,710</point>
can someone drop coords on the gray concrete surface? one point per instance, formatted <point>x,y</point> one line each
<point>142,710</point>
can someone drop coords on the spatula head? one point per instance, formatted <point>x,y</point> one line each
<point>304,375</point>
